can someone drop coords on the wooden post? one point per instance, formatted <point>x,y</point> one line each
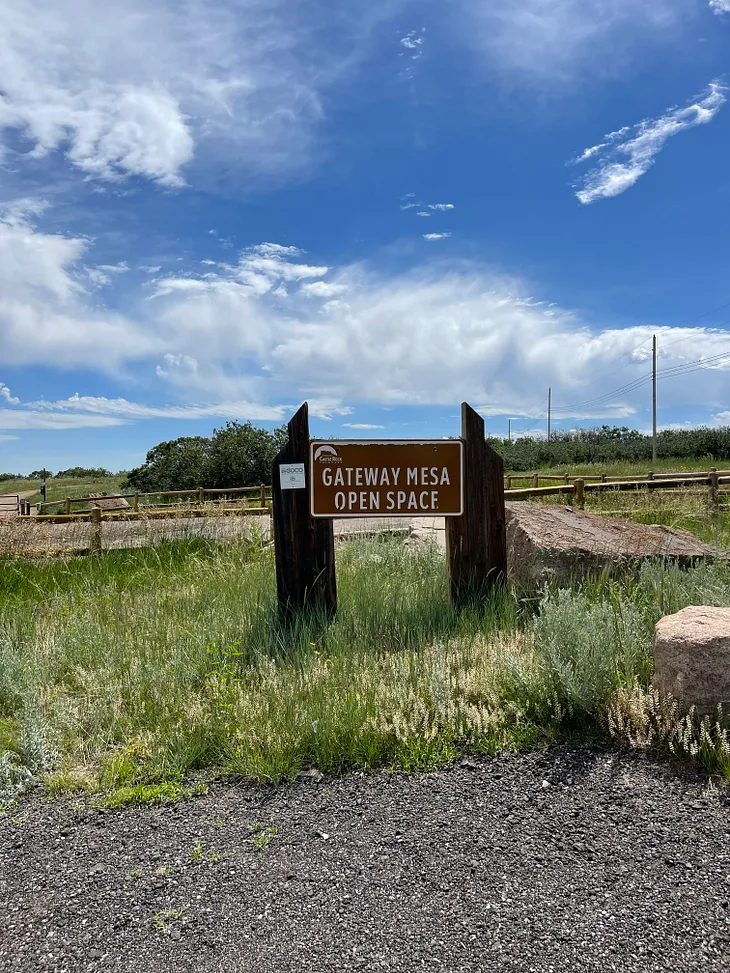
<point>135,505</point>
<point>535,481</point>
<point>304,547</point>
<point>509,482</point>
<point>263,495</point>
<point>201,495</point>
<point>603,477</point>
<point>714,490</point>
<point>68,505</point>
<point>476,542</point>
<point>580,500</point>
<point>95,543</point>
<point>650,475</point>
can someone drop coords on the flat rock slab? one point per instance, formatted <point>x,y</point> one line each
<point>692,657</point>
<point>572,859</point>
<point>107,503</point>
<point>560,543</point>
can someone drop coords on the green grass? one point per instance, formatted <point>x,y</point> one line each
<point>63,487</point>
<point>634,468</point>
<point>126,673</point>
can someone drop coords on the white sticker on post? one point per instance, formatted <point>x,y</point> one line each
<point>292,476</point>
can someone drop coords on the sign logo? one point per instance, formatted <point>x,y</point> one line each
<point>387,478</point>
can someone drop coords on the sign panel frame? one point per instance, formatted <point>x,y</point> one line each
<point>315,444</point>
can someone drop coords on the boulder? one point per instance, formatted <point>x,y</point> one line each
<point>560,543</point>
<point>692,657</point>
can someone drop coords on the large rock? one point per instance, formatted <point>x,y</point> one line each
<point>692,657</point>
<point>561,543</point>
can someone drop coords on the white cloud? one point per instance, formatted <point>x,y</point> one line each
<point>625,156</point>
<point>722,418</point>
<point>143,89</point>
<point>436,236</point>
<point>6,394</point>
<point>414,40</point>
<point>720,6</point>
<point>320,288</point>
<point>224,344</point>
<point>441,206</point>
<point>362,425</point>
<point>7,439</point>
<point>44,314</point>
<point>32,419</point>
<point>423,212</point>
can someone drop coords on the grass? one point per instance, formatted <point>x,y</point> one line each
<point>636,467</point>
<point>122,675</point>
<point>59,489</point>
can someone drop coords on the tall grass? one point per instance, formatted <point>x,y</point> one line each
<point>140,666</point>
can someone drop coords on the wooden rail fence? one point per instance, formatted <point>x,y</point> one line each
<point>714,481</point>
<point>197,496</point>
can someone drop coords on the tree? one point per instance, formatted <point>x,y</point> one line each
<point>238,455</point>
<point>242,454</point>
<point>178,464</point>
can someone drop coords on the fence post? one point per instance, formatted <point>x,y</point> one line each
<point>535,480</point>
<point>263,495</point>
<point>304,548</point>
<point>95,543</point>
<point>714,490</point>
<point>68,505</point>
<point>650,475</point>
<point>580,501</point>
<point>201,495</point>
<point>476,547</point>
<point>135,505</point>
<point>509,482</point>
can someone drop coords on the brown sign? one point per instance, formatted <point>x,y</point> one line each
<point>406,478</point>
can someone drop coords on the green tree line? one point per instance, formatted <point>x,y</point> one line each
<point>612,444</point>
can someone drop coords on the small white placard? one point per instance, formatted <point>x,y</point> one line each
<point>292,476</point>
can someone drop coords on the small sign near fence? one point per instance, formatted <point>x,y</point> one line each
<point>292,476</point>
<point>387,478</point>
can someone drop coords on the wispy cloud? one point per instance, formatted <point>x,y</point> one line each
<point>626,155</point>
<point>720,6</point>
<point>441,206</point>
<point>362,425</point>
<point>436,236</point>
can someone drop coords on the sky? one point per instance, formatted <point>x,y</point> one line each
<point>213,210</point>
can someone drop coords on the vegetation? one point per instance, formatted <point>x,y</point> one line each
<point>60,488</point>
<point>124,674</point>
<point>238,455</point>
<point>613,444</point>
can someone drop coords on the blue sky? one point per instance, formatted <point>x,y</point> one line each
<point>214,210</point>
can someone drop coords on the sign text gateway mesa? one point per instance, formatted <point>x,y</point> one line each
<point>386,478</point>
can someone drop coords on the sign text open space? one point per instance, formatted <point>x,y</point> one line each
<point>404,478</point>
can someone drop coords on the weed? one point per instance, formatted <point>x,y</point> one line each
<point>164,793</point>
<point>161,920</point>
<point>262,835</point>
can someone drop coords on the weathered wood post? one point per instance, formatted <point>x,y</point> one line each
<point>535,480</point>
<point>476,543</point>
<point>95,542</point>
<point>714,490</point>
<point>68,505</point>
<point>201,495</point>
<point>580,500</point>
<point>303,546</point>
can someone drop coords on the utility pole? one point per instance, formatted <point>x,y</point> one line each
<point>653,402</point>
<point>550,399</point>
<point>509,430</point>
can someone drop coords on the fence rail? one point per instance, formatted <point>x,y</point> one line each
<point>579,487</point>
<point>199,495</point>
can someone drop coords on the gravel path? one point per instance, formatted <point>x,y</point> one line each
<point>568,860</point>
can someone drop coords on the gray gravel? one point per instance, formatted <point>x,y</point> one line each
<point>570,859</point>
